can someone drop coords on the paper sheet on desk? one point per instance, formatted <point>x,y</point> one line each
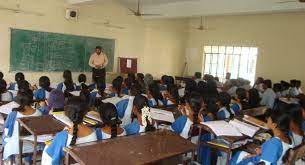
<point>13,92</point>
<point>7,108</point>
<point>222,128</point>
<point>63,118</point>
<point>162,115</point>
<point>244,128</point>
<point>40,138</point>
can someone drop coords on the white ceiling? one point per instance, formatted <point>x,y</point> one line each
<point>190,8</point>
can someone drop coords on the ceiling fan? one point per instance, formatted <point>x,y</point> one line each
<point>109,25</point>
<point>19,10</point>
<point>138,12</point>
<point>291,1</point>
<point>201,26</point>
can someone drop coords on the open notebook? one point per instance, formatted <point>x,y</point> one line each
<point>232,128</point>
<point>255,122</point>
<point>63,118</point>
<point>162,115</point>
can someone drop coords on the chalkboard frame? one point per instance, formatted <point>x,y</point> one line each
<point>85,67</point>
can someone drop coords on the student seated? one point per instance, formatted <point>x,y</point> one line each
<point>285,89</point>
<point>140,80</point>
<point>116,88</point>
<point>273,150</point>
<point>258,85</point>
<point>298,85</point>
<point>142,121</point>
<point>193,113</point>
<point>293,91</point>
<point>124,107</point>
<point>81,82</point>
<point>44,91</point>
<point>18,77</point>
<point>253,97</point>
<point>241,102</point>
<point>154,96</point>
<point>277,88</point>
<point>97,94</point>
<point>55,102</point>
<point>68,85</point>
<point>5,95</point>
<point>197,77</point>
<point>79,133</point>
<point>296,133</point>
<point>111,123</point>
<point>10,139</point>
<point>232,88</point>
<point>224,108</point>
<point>171,95</point>
<point>268,97</point>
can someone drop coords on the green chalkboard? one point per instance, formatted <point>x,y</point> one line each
<point>43,51</point>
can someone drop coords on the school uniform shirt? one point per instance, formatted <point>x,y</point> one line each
<point>62,87</point>
<point>101,135</point>
<point>124,109</point>
<point>268,98</point>
<point>134,128</point>
<point>13,86</point>
<point>152,102</point>
<point>223,113</point>
<point>296,139</point>
<point>53,154</point>
<point>294,92</point>
<point>285,93</point>
<point>273,151</point>
<point>7,96</point>
<point>10,140</point>
<point>278,95</point>
<point>41,94</point>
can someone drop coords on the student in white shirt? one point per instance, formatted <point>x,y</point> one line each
<point>5,95</point>
<point>268,97</point>
<point>293,91</point>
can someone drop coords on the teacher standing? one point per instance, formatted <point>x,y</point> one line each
<point>98,61</point>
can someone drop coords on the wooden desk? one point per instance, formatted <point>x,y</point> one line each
<point>148,148</point>
<point>40,125</point>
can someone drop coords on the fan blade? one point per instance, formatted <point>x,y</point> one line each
<point>287,1</point>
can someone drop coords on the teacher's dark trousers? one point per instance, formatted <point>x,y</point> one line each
<point>99,77</point>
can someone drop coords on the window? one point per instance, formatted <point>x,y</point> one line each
<point>239,61</point>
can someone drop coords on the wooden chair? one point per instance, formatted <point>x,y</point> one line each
<point>295,154</point>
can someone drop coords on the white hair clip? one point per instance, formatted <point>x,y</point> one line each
<point>146,116</point>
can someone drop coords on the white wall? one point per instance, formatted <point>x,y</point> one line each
<point>279,37</point>
<point>130,42</point>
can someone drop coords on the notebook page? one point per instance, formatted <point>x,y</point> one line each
<point>162,115</point>
<point>7,108</point>
<point>222,128</point>
<point>244,128</point>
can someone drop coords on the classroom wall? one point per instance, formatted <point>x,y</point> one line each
<point>130,42</point>
<point>279,37</point>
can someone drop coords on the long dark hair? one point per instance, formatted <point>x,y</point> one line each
<point>225,99</point>
<point>281,119</point>
<point>24,98</point>
<point>44,82</point>
<point>109,116</point>
<point>75,109</point>
<point>195,102</point>
<point>173,91</point>
<point>3,86</point>
<point>139,103</point>
<point>68,81</point>
<point>117,85</point>
<point>155,92</point>
<point>254,98</point>
<point>19,76</point>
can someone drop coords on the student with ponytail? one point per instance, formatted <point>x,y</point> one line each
<point>111,122</point>
<point>10,137</point>
<point>223,103</point>
<point>116,88</point>
<point>192,114</point>
<point>43,92</point>
<point>273,150</point>
<point>18,77</point>
<point>75,109</point>
<point>5,95</point>
<point>68,84</point>
<point>154,96</point>
<point>142,121</point>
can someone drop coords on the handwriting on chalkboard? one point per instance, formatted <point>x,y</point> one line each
<point>43,51</point>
